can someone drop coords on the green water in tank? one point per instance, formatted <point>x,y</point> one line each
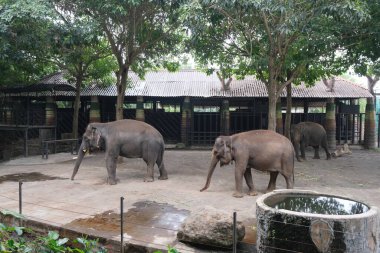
<point>316,204</point>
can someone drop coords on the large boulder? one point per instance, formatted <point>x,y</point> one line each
<point>210,226</point>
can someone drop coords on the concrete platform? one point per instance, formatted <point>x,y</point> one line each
<point>153,212</point>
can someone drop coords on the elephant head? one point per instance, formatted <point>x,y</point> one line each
<point>221,152</point>
<point>296,134</point>
<point>91,138</point>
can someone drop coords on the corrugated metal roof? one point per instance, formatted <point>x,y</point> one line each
<point>194,83</point>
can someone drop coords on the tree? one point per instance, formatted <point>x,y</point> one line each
<point>82,52</point>
<point>363,50</point>
<point>24,46</point>
<point>279,42</point>
<point>141,33</point>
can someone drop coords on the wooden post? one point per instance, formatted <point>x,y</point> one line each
<point>331,123</point>
<point>140,115</point>
<point>225,117</point>
<point>94,109</point>
<point>186,121</point>
<point>50,111</point>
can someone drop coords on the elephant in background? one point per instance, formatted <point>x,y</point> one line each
<point>127,138</point>
<point>262,150</point>
<point>306,134</point>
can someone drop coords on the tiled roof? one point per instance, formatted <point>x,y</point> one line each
<point>194,83</point>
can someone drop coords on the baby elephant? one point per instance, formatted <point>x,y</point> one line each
<point>263,150</point>
<point>306,134</point>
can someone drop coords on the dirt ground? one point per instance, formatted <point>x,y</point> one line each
<point>88,203</point>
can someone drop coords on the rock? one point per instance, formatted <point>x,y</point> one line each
<point>341,151</point>
<point>210,226</point>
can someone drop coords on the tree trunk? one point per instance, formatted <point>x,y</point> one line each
<point>288,118</point>
<point>279,124</point>
<point>272,98</point>
<point>331,123</point>
<point>121,87</point>
<point>78,86</point>
<point>370,125</point>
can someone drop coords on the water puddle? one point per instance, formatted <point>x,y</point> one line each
<point>27,177</point>
<point>317,204</point>
<point>147,222</point>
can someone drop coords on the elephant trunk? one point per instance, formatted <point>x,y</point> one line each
<point>214,161</point>
<point>81,153</point>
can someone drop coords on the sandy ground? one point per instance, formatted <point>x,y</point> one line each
<point>66,203</point>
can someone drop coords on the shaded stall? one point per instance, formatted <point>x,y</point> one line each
<point>30,111</point>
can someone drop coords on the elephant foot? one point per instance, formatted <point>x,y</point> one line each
<point>148,179</point>
<point>238,195</point>
<point>112,181</point>
<point>270,189</point>
<point>163,177</point>
<point>299,159</point>
<point>316,157</point>
<point>252,193</point>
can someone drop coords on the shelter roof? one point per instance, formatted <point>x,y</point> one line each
<point>194,83</point>
<point>49,84</point>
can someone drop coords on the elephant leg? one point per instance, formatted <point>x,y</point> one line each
<point>316,152</point>
<point>303,156</point>
<point>289,178</point>
<point>249,181</point>
<point>111,161</point>
<point>149,177</point>
<point>328,155</point>
<point>161,168</point>
<point>272,181</point>
<point>240,169</point>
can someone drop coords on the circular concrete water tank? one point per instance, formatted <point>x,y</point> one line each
<point>306,221</point>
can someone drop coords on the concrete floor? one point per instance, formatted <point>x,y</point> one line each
<point>153,212</point>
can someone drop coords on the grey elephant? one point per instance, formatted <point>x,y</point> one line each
<point>306,134</point>
<point>127,138</point>
<point>262,150</point>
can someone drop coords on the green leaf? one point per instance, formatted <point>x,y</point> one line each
<point>19,230</point>
<point>12,213</point>
<point>62,241</point>
<point>53,235</point>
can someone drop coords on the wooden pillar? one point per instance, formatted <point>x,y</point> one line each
<point>186,121</point>
<point>50,111</point>
<point>306,110</point>
<point>331,123</point>
<point>279,123</point>
<point>94,109</point>
<point>225,117</point>
<point>140,115</point>
<point>8,111</point>
<point>369,125</point>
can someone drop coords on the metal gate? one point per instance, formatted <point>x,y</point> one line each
<point>205,128</point>
<point>167,123</point>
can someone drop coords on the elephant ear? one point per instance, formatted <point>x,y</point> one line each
<point>96,136</point>
<point>227,142</point>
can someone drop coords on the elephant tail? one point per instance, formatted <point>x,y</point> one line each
<point>160,157</point>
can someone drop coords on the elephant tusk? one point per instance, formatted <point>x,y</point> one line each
<point>84,150</point>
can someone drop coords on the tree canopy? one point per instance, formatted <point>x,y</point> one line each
<point>277,41</point>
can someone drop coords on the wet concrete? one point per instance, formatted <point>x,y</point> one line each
<point>141,221</point>
<point>145,220</point>
<point>28,177</point>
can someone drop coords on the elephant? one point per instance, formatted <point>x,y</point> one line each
<point>306,134</point>
<point>127,138</point>
<point>263,150</point>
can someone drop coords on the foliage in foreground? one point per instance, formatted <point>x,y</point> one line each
<point>24,240</point>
